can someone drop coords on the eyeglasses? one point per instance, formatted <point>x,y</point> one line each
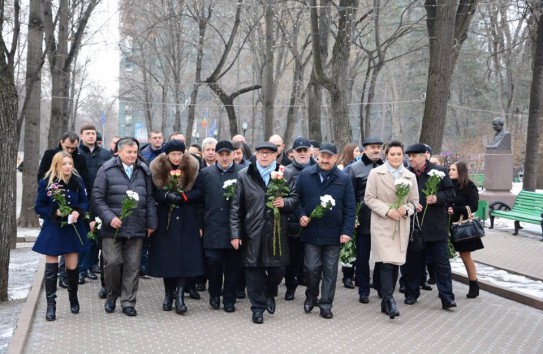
<point>266,152</point>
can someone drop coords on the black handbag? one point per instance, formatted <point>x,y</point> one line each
<point>467,229</point>
<point>416,242</point>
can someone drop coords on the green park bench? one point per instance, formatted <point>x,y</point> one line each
<point>528,208</point>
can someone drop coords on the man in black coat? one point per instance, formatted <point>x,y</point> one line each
<point>359,172</point>
<point>68,143</point>
<point>432,214</point>
<point>95,157</point>
<point>294,274</point>
<point>122,239</point>
<point>221,258</point>
<point>253,225</point>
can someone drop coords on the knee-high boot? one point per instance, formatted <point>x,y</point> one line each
<point>180,306</point>
<point>73,277</point>
<point>50,279</point>
<point>169,289</point>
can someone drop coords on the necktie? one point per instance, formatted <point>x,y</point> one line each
<point>128,171</point>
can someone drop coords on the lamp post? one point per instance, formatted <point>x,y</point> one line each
<point>197,136</point>
<point>244,127</point>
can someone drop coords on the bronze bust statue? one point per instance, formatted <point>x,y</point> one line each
<point>502,138</point>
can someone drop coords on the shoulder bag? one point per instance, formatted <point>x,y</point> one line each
<point>416,242</point>
<point>467,229</point>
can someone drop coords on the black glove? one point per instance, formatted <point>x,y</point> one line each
<point>174,198</point>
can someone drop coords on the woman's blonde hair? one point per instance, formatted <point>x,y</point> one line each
<point>55,171</point>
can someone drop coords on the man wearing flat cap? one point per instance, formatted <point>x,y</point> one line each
<point>294,274</point>
<point>359,172</point>
<point>434,229</point>
<point>252,228</point>
<point>222,260</point>
<point>324,236</point>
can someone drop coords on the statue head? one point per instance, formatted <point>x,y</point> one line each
<point>497,124</point>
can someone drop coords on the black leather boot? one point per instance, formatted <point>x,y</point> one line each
<point>473,289</point>
<point>50,279</point>
<point>73,279</point>
<point>180,306</point>
<point>169,289</point>
<point>391,308</point>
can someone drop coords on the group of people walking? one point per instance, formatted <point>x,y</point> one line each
<point>240,220</point>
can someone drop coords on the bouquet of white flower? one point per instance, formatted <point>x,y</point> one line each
<point>129,204</point>
<point>431,187</point>
<point>230,188</point>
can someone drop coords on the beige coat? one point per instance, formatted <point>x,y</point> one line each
<point>389,238</point>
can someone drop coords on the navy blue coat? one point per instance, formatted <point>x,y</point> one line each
<point>336,222</point>
<point>53,239</point>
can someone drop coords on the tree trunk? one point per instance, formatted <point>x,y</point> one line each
<point>8,144</point>
<point>267,89</point>
<point>534,115</point>
<point>314,108</point>
<point>447,24</point>
<point>28,217</point>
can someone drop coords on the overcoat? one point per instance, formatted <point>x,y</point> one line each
<point>53,239</point>
<point>175,250</point>
<point>389,238</point>
<point>252,221</point>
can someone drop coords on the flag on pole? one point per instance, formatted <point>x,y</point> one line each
<point>103,118</point>
<point>212,128</point>
<point>204,122</point>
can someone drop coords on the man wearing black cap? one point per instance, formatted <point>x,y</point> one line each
<point>323,236</point>
<point>294,271</point>
<point>434,228</point>
<point>252,227</point>
<point>359,172</point>
<point>221,259</point>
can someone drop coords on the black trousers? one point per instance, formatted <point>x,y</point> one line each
<point>223,263</point>
<point>389,277</point>
<point>262,282</point>
<point>363,248</point>
<point>295,269</point>
<point>321,262</point>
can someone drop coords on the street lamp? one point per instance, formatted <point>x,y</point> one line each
<point>244,126</point>
<point>197,136</point>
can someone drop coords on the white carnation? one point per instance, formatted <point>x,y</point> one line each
<point>437,173</point>
<point>327,199</point>
<point>98,223</point>
<point>133,195</point>
<point>402,181</point>
<point>229,183</point>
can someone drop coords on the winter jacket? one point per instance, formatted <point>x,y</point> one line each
<point>253,222</point>
<point>336,222</point>
<point>149,154</point>
<point>216,209</point>
<point>292,172</point>
<point>109,192</point>
<point>95,160</point>
<point>80,164</point>
<point>359,172</point>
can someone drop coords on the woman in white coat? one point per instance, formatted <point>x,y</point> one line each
<point>390,219</point>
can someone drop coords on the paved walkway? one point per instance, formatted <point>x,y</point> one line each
<point>488,324</point>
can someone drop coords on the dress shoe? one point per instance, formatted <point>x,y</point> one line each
<point>90,274</point>
<point>402,289</point>
<point>270,305</point>
<point>96,269</point>
<point>109,306</point>
<point>63,282</point>
<point>410,300</point>
<point>327,314</point>
<point>240,294</point>
<point>215,302</point>
<point>390,308</point>
<point>363,299</point>
<point>448,304</point>
<point>130,311</point>
<point>426,286</point>
<point>308,305</point>
<point>102,294</point>
<point>229,308</point>
<point>348,283</point>
<point>81,279</point>
<point>193,294</point>
<point>289,295</point>
<point>201,287</point>
<point>258,317</point>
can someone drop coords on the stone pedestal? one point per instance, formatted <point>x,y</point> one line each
<point>498,177</point>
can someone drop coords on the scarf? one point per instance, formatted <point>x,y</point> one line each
<point>325,174</point>
<point>265,172</point>
<point>395,172</point>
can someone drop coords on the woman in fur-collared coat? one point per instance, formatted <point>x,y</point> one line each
<point>175,251</point>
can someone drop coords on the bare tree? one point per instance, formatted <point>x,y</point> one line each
<point>336,83</point>
<point>8,125</point>
<point>62,50</point>
<point>447,22</point>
